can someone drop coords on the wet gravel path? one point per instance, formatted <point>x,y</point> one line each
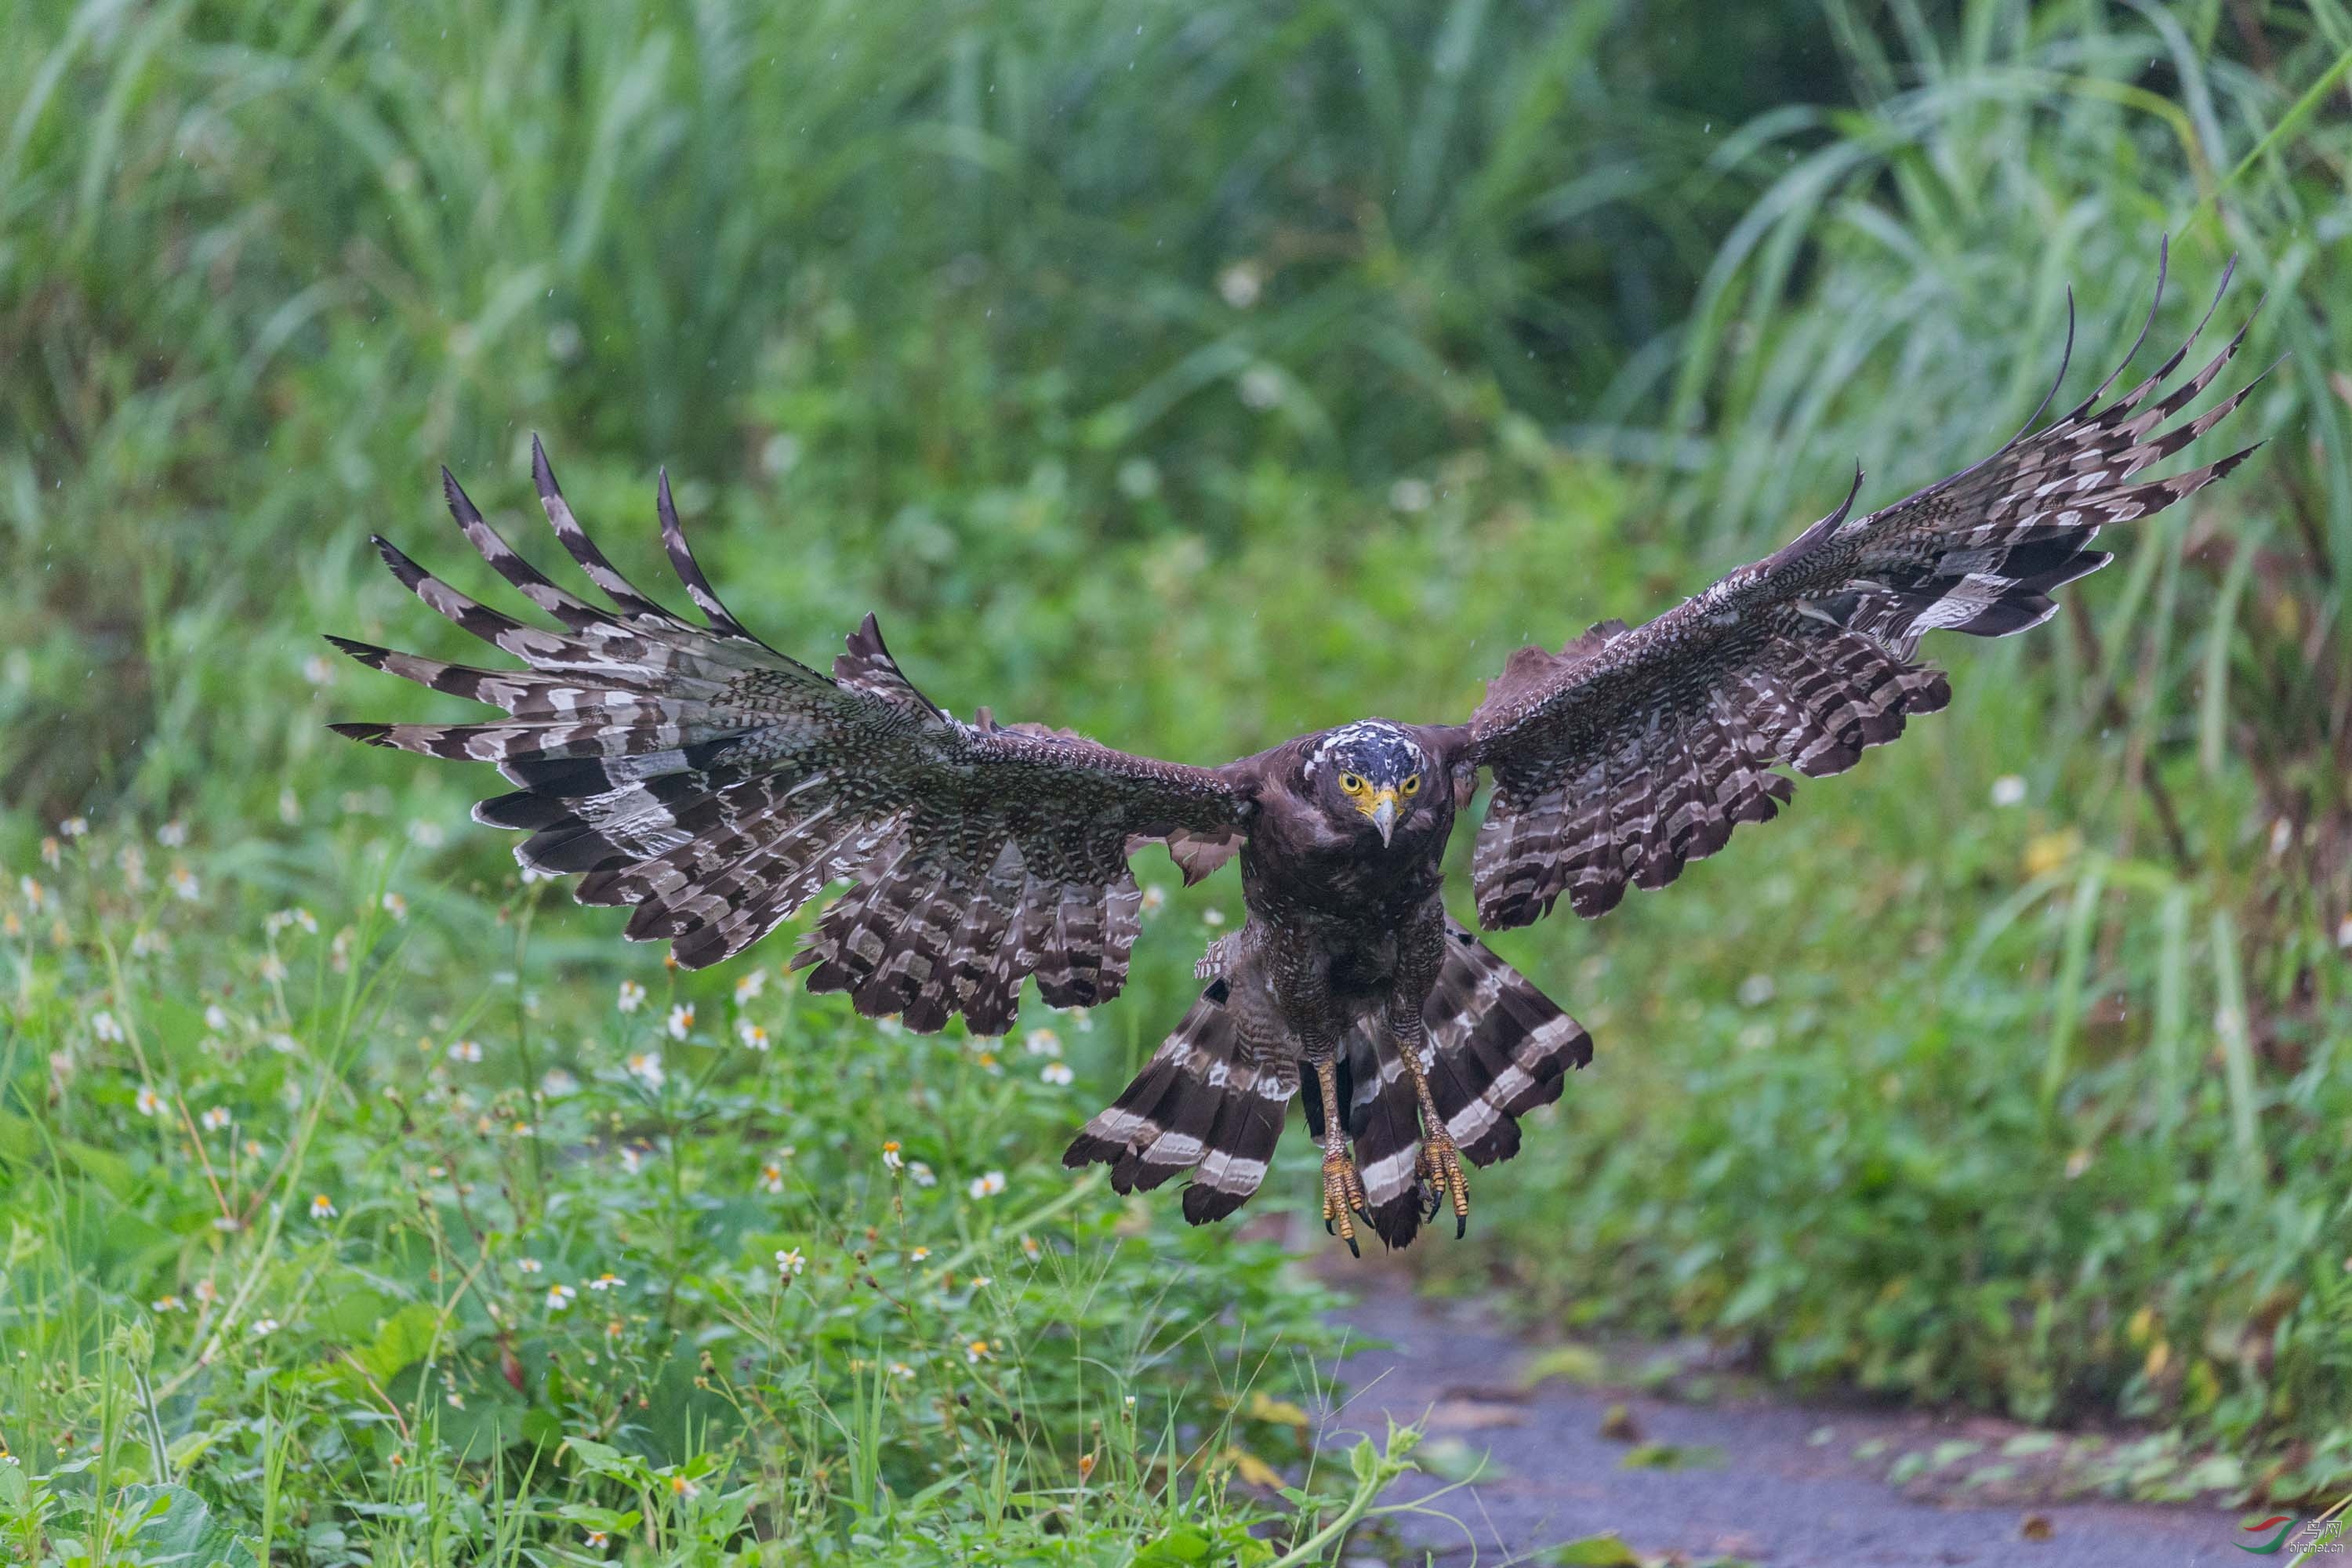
<point>1788,1489</point>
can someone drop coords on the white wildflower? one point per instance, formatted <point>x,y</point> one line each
<point>322,1206</point>
<point>103,1024</point>
<point>681,1019</point>
<point>752,1035</point>
<point>559,1297</point>
<point>1240,284</point>
<point>466,1051</point>
<point>150,1103</point>
<point>922,1175</point>
<point>645,1066</point>
<point>1058,1074</point>
<point>2009,790</point>
<point>987,1186</point>
<point>749,987</point>
<point>1042,1043</point>
<point>632,996</point>
<point>395,906</point>
<point>790,1263</point>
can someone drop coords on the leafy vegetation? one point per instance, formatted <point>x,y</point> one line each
<point>1193,377</point>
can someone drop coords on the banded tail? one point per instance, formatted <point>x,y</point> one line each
<point>1210,1103</point>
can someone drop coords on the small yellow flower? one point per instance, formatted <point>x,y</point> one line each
<point>748,988</point>
<point>599,1539</point>
<point>529,1265</point>
<point>987,1186</point>
<point>916,1254</point>
<point>681,1020</point>
<point>899,1369</point>
<point>606,1282</point>
<point>1058,1074</point>
<point>891,1159</point>
<point>978,1351</point>
<point>680,1487</point>
<point>169,1304</point>
<point>322,1206</point>
<point>771,1177</point>
<point>215,1118</point>
<point>790,1264</point>
<point>753,1035</point>
<point>559,1296</point>
<point>150,1103</point>
<point>632,997</point>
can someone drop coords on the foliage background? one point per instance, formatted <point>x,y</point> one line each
<point>1193,376</point>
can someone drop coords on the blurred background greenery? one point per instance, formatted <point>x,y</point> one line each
<point>1196,375</point>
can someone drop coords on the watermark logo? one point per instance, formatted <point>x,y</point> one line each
<point>2326,1535</point>
<point>2284,1523</point>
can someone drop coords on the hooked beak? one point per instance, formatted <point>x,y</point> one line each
<point>1382,809</point>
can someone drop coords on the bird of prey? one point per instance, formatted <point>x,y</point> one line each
<point>717,785</point>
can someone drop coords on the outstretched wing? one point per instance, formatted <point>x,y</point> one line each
<point>718,785</point>
<point>1630,752</point>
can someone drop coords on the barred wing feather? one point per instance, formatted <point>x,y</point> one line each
<point>717,785</point>
<point>1629,754</point>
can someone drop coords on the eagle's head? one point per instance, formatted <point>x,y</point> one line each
<point>1368,777</point>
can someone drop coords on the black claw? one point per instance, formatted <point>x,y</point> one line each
<point>1353,1250</point>
<point>1331,1229</point>
<point>1461,1225</point>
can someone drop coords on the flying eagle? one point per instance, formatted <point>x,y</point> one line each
<point>717,785</point>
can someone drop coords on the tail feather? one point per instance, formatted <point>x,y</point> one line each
<point>1204,1103</point>
<point>1498,1048</point>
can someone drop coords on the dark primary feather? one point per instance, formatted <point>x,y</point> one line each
<point>1629,754</point>
<point>715,785</point>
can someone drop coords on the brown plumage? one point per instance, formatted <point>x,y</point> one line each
<point>715,785</point>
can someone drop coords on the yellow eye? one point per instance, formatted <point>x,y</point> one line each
<point>1351,783</point>
<point>1412,786</point>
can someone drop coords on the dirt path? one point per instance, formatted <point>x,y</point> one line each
<point>1787,1491</point>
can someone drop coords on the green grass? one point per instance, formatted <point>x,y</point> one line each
<point>1194,379</point>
